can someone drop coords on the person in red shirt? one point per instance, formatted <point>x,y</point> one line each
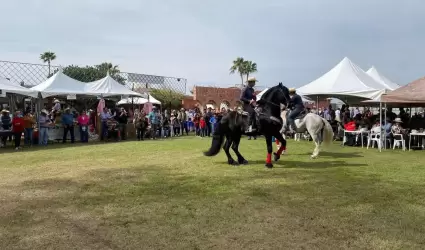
<point>18,127</point>
<point>83,121</point>
<point>350,126</point>
<point>202,126</point>
<point>196,123</point>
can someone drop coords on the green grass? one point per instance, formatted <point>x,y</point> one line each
<point>167,195</point>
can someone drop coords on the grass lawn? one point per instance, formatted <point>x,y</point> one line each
<point>167,195</point>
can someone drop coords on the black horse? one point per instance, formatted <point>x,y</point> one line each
<point>269,122</point>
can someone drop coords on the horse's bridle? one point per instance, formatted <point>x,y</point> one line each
<point>278,105</point>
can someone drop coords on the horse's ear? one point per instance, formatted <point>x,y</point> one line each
<point>280,84</point>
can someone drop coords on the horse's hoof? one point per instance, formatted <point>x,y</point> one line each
<point>243,162</point>
<point>313,157</point>
<point>232,162</point>
<point>269,165</point>
<point>276,157</point>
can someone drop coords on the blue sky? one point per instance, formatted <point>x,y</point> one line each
<point>293,41</point>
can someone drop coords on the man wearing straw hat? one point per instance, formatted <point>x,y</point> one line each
<point>297,106</point>
<point>248,99</point>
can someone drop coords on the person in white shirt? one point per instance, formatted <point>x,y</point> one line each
<point>338,115</point>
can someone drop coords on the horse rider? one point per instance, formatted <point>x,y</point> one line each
<point>296,104</point>
<point>248,99</point>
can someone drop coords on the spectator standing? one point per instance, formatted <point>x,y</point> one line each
<point>154,122</point>
<point>6,123</point>
<point>83,122</point>
<point>18,128</point>
<point>44,123</point>
<point>182,116</point>
<point>29,123</point>
<point>122,119</point>
<point>202,126</point>
<point>208,115</point>
<point>104,117</point>
<point>68,125</point>
<point>212,122</point>
<point>140,122</point>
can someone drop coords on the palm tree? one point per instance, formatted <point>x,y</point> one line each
<point>48,57</point>
<point>238,66</point>
<point>249,67</point>
<point>105,67</point>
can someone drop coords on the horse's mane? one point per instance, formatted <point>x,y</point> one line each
<point>268,94</point>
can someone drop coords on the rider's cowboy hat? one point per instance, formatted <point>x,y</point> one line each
<point>44,111</point>
<point>5,111</point>
<point>251,79</point>
<point>56,101</point>
<point>292,90</point>
<point>398,120</point>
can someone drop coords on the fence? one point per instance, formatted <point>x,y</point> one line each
<point>28,74</point>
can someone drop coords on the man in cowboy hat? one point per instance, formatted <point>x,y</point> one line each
<point>248,99</point>
<point>297,106</point>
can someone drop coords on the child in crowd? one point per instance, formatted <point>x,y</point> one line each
<point>190,124</point>
<point>202,126</point>
<point>196,124</point>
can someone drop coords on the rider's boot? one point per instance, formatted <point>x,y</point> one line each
<point>291,127</point>
<point>250,128</point>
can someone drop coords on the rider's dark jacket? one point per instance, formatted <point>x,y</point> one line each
<point>247,95</point>
<point>296,102</point>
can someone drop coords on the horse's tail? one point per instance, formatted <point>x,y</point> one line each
<point>217,139</point>
<point>327,132</point>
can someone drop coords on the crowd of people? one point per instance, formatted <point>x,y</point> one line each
<point>164,124</point>
<point>113,124</point>
<point>356,119</point>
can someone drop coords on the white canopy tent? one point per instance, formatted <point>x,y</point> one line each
<point>139,100</point>
<point>7,86</point>
<point>388,84</point>
<point>305,99</point>
<point>60,84</point>
<point>108,86</point>
<point>345,79</point>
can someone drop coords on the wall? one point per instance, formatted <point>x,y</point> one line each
<point>216,96</point>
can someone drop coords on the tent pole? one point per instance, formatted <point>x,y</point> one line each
<point>380,125</point>
<point>385,122</point>
<point>317,105</point>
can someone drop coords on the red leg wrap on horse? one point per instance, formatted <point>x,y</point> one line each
<point>281,149</point>
<point>277,141</point>
<point>269,158</point>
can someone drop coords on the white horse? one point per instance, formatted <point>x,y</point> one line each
<point>319,129</point>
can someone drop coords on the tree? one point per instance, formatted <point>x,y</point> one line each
<point>249,67</point>
<point>238,66</point>
<point>48,57</point>
<point>93,73</point>
<point>170,99</point>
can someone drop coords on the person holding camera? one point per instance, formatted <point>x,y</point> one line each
<point>122,119</point>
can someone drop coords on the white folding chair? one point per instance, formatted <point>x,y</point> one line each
<point>399,141</point>
<point>374,138</point>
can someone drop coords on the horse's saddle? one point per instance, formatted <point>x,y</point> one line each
<point>301,115</point>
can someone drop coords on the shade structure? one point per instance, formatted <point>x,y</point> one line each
<point>378,98</point>
<point>9,87</point>
<point>139,100</point>
<point>387,83</point>
<point>60,84</point>
<point>108,86</point>
<point>412,93</point>
<point>344,80</point>
<point>305,99</point>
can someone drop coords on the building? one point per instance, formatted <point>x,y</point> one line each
<point>213,97</point>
